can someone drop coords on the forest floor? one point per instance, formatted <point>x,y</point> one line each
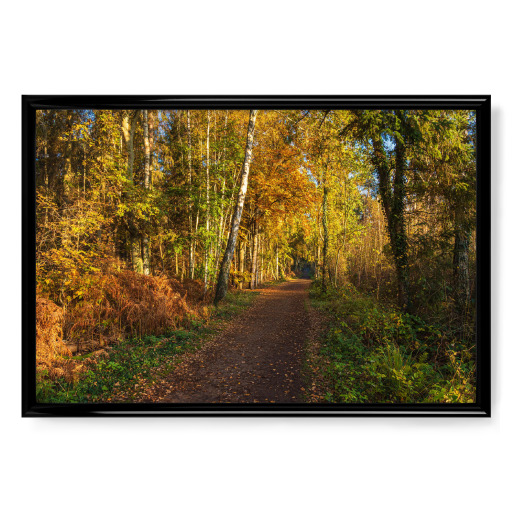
<point>257,358</point>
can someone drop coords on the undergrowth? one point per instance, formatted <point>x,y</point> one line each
<point>118,373</point>
<point>376,354</point>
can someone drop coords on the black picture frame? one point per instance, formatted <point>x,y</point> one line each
<point>480,103</point>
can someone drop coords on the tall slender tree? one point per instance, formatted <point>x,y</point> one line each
<point>129,125</point>
<point>147,183</point>
<point>222,281</point>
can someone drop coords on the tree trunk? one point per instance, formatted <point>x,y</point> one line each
<point>277,262</point>
<point>461,264</point>
<point>207,240</point>
<point>259,259</point>
<point>336,267</point>
<point>191,262</point>
<point>393,204</point>
<point>241,266</point>
<point>147,184</point>
<point>136,254</point>
<point>400,236</point>
<point>128,125</point>
<point>326,233</point>
<point>222,282</point>
<point>223,214</point>
<point>66,179</point>
<point>254,263</point>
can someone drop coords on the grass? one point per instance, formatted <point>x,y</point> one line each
<point>133,364</point>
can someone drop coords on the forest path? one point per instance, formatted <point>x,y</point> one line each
<point>257,358</point>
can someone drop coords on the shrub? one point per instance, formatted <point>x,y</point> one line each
<point>379,354</point>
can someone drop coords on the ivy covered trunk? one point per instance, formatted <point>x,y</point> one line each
<point>398,224</point>
<point>392,195</point>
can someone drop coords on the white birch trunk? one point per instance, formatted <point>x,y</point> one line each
<point>222,282</point>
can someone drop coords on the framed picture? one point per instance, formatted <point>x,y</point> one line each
<point>257,255</point>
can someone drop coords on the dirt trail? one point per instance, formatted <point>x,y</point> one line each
<point>257,358</point>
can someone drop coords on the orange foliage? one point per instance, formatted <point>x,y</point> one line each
<point>49,343</point>
<point>128,304</point>
<point>50,347</point>
<point>113,306</point>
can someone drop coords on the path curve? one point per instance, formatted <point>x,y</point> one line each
<point>257,358</point>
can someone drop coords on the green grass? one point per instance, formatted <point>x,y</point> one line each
<point>134,363</point>
<point>377,354</point>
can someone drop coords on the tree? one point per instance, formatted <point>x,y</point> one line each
<point>446,160</point>
<point>129,125</point>
<point>383,199</point>
<point>386,134</point>
<point>147,183</point>
<point>222,282</point>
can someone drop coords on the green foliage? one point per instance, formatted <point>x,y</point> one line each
<point>128,365</point>
<point>377,354</point>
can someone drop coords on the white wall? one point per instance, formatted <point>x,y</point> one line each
<point>265,47</point>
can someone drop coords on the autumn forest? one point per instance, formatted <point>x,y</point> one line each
<point>262,256</point>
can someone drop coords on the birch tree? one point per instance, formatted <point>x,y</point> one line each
<point>222,281</point>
